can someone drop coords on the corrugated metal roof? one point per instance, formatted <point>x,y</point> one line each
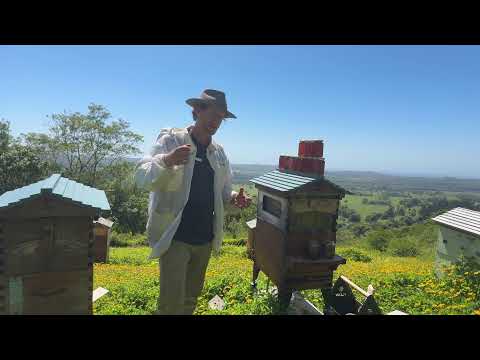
<point>59,186</point>
<point>462,219</point>
<point>287,181</point>
<point>282,181</point>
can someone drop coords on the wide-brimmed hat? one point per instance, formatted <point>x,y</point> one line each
<point>212,97</point>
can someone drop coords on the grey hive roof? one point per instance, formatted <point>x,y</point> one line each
<point>462,219</point>
<point>288,181</point>
<point>104,222</point>
<point>57,186</point>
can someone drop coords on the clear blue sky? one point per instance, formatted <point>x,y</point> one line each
<point>396,109</point>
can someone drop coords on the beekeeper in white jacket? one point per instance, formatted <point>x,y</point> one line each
<point>190,180</point>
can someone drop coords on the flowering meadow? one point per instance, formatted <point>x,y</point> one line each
<point>401,283</point>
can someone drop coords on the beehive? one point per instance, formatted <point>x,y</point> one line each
<point>46,237</point>
<point>295,232</point>
<point>458,235</point>
<point>101,247</point>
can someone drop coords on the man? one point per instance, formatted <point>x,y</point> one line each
<point>190,180</point>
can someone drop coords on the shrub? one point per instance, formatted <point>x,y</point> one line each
<point>378,242</point>
<point>355,217</point>
<point>126,239</point>
<point>404,247</point>
<point>356,255</point>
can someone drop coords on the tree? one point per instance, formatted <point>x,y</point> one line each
<point>85,145</point>
<point>129,203</point>
<point>5,137</point>
<point>19,165</point>
<point>388,214</point>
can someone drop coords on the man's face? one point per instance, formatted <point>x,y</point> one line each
<point>210,119</point>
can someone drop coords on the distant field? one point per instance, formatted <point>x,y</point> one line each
<point>355,202</point>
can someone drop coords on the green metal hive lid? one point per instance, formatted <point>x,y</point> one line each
<point>289,181</point>
<point>60,187</point>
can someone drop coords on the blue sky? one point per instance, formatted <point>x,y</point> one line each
<point>394,109</point>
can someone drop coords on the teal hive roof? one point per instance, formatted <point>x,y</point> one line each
<point>288,181</point>
<point>58,186</point>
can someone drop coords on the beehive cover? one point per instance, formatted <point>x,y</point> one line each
<point>462,219</point>
<point>288,181</point>
<point>104,222</point>
<point>57,186</point>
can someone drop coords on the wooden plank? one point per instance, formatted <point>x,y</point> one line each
<point>328,206</point>
<point>369,292</point>
<point>302,306</point>
<point>27,252</point>
<point>98,293</point>
<point>298,241</point>
<point>296,266</point>
<point>270,251</point>
<point>311,220</point>
<point>55,293</point>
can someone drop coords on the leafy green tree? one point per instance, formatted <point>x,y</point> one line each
<point>5,136</point>
<point>129,203</point>
<point>19,165</point>
<point>84,145</point>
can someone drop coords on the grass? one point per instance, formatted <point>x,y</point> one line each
<point>402,283</point>
<point>355,202</point>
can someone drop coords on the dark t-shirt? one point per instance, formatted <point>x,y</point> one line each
<point>196,226</point>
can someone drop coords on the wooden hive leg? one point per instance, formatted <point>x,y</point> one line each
<point>255,272</point>
<point>284,296</point>
<point>3,285</point>
<point>91,239</point>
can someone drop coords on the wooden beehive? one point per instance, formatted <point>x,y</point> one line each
<point>46,237</point>
<point>295,232</point>
<point>101,247</point>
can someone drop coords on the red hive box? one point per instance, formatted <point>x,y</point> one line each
<point>310,148</point>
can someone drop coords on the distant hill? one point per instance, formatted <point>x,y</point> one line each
<point>371,180</point>
<point>367,180</point>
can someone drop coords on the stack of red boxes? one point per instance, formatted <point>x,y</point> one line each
<point>309,160</point>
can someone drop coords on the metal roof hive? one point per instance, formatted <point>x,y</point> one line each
<point>462,219</point>
<point>58,186</point>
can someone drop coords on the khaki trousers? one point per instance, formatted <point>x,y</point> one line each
<point>182,275</point>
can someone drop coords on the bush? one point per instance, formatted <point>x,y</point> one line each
<point>355,217</point>
<point>126,239</point>
<point>378,242</point>
<point>355,255</point>
<point>404,247</point>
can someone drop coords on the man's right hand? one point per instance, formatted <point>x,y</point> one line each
<point>178,156</point>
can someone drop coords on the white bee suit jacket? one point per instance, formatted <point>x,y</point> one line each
<point>170,188</point>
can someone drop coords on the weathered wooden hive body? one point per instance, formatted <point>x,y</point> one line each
<point>46,242</point>
<point>293,239</point>
<point>101,247</point>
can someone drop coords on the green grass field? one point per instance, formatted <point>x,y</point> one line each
<point>406,284</point>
